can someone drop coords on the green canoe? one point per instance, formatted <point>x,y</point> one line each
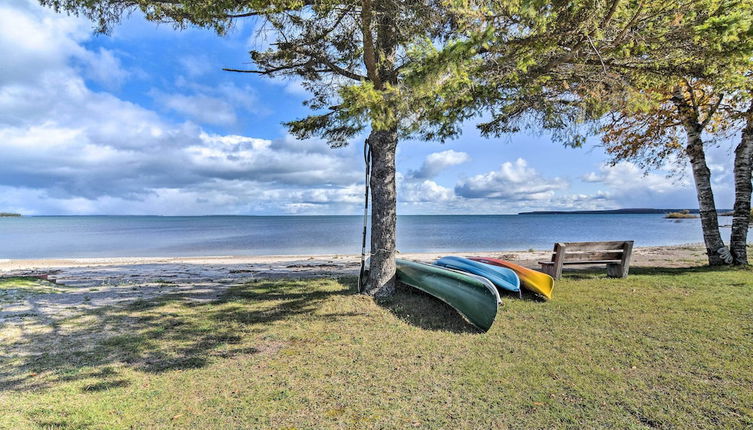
<point>474,297</point>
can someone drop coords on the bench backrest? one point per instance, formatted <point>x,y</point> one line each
<point>592,251</point>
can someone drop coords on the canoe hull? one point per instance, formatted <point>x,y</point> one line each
<point>473,298</point>
<point>532,280</point>
<point>505,279</point>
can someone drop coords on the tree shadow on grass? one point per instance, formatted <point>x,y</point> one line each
<point>425,311</point>
<point>166,333</point>
<point>646,270</point>
<point>587,273</point>
<point>524,295</point>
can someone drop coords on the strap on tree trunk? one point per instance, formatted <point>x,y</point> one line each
<point>367,160</point>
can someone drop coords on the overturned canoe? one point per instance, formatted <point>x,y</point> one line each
<point>503,278</point>
<point>532,280</point>
<point>473,297</point>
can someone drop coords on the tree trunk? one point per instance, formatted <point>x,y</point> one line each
<point>383,214</point>
<point>689,113</point>
<point>377,19</point>
<point>741,215</point>
<point>706,205</point>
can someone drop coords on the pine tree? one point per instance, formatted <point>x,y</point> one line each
<point>353,57</point>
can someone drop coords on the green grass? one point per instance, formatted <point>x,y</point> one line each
<point>663,348</point>
<point>26,283</point>
<point>17,288</point>
<point>680,215</point>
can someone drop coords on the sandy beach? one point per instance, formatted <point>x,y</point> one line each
<point>660,256</point>
<point>89,283</point>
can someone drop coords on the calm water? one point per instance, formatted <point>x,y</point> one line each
<point>111,236</point>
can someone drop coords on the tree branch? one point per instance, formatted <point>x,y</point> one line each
<point>260,72</point>
<point>610,14</point>
<point>712,111</point>
<point>369,55</point>
<point>327,62</point>
<point>244,15</point>
<point>269,71</point>
<point>693,100</point>
<point>630,23</point>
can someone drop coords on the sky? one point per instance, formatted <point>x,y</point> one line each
<point>144,121</point>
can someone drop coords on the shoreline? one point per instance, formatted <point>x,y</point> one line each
<point>662,256</point>
<point>82,284</point>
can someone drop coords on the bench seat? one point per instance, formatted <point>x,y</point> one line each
<point>583,262</point>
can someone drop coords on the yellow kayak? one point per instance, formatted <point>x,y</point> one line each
<point>533,280</point>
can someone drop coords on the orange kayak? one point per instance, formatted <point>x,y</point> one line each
<point>533,280</point>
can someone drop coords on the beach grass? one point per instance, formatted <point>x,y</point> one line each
<point>680,215</point>
<point>14,289</point>
<point>666,348</point>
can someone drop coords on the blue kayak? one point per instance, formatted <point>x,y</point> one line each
<point>501,277</point>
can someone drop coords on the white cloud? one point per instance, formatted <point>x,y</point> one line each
<point>34,40</point>
<point>581,201</point>
<point>295,87</point>
<point>195,65</point>
<point>627,176</point>
<point>352,194</point>
<point>200,108</point>
<point>213,105</point>
<point>438,161</point>
<point>239,157</point>
<point>105,68</point>
<point>70,150</point>
<point>424,191</point>
<point>512,182</point>
<point>628,186</point>
<point>418,187</point>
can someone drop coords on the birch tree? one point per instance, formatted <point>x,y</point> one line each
<point>651,77</point>
<point>671,130</point>
<point>741,215</point>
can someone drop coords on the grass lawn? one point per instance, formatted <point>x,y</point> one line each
<point>663,348</point>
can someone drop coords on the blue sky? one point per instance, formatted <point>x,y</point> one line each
<point>144,121</point>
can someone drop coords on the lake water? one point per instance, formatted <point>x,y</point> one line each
<point>113,236</point>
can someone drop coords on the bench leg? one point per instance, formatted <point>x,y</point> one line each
<point>552,270</point>
<point>548,269</point>
<point>557,271</point>
<point>617,270</point>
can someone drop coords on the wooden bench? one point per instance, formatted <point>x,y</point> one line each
<point>616,255</point>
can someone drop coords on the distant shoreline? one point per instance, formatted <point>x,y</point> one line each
<point>648,211</point>
<point>9,215</point>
